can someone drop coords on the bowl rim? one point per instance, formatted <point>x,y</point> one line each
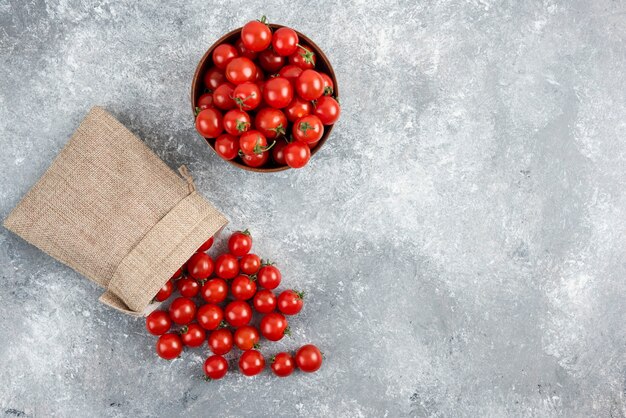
<point>197,80</point>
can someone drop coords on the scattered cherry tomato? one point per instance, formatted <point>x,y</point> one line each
<point>253,142</point>
<point>158,323</point>
<point>310,85</point>
<point>223,54</point>
<point>250,264</point>
<point>192,335</point>
<point>240,243</point>
<point>270,122</point>
<point>165,292</point>
<point>278,92</point>
<point>247,337</point>
<point>309,358</point>
<point>205,101</point>
<point>308,129</point>
<point>200,266</point>
<point>209,123</point>
<point>243,287</point>
<point>227,146</point>
<point>188,287</point>
<point>264,301</point>
<point>215,367</point>
<point>210,316</point>
<point>269,277</point>
<point>238,313</point>
<point>290,302</point>
<point>274,326</point>
<point>240,70</point>
<point>256,160</point>
<point>236,122</point>
<point>297,154</point>
<point>256,35</point>
<point>304,58</point>
<point>214,291</point>
<point>297,109</point>
<point>251,363</point>
<point>223,97</point>
<point>169,346</point>
<point>243,51</point>
<point>226,266</point>
<point>213,78</point>
<point>270,61</point>
<point>327,110</point>
<point>278,152</point>
<point>221,341</point>
<point>207,244</point>
<point>285,41</point>
<point>283,364</point>
<point>247,96</point>
<point>182,310</point>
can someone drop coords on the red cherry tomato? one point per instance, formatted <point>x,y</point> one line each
<point>243,287</point>
<point>290,302</point>
<point>250,264</point>
<point>213,78</point>
<point>327,110</point>
<point>240,243</point>
<point>247,337</point>
<point>274,326</point>
<point>223,54</point>
<point>221,341</point>
<point>207,244</point>
<point>310,85</point>
<point>226,266</point>
<point>209,123</point>
<point>271,122</point>
<point>309,358</point>
<point>329,87</point>
<point>278,152</point>
<point>243,51</point>
<point>238,313</point>
<point>247,96</point>
<point>297,109</point>
<point>297,154</point>
<point>278,92</point>
<point>256,35</point>
<point>200,266</point>
<point>270,61</point>
<point>192,335</point>
<point>188,287</point>
<point>291,73</point>
<point>165,292</point>
<point>264,301</point>
<point>222,97</point>
<point>240,70</point>
<point>304,58</point>
<point>215,367</point>
<point>256,160</point>
<point>283,364</point>
<point>227,146</point>
<point>169,346</point>
<point>269,277</point>
<point>214,291</point>
<point>205,101</point>
<point>210,316</point>
<point>260,77</point>
<point>182,311</point>
<point>285,41</point>
<point>236,122</point>
<point>251,363</point>
<point>253,142</point>
<point>308,129</point>
<point>178,272</point>
<point>158,323</point>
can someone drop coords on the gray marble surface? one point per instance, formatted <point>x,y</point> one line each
<point>461,237</point>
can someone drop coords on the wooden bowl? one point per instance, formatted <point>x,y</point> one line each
<point>198,88</point>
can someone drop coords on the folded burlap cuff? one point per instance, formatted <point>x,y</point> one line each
<point>112,210</point>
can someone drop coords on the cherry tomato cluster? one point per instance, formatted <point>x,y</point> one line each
<point>265,99</point>
<point>214,306</point>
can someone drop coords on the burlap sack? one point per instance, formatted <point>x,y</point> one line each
<point>112,210</point>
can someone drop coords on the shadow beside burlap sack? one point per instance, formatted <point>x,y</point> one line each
<point>115,212</point>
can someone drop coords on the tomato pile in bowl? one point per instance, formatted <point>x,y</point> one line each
<point>265,97</point>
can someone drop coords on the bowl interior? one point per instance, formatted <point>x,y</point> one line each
<point>198,88</point>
